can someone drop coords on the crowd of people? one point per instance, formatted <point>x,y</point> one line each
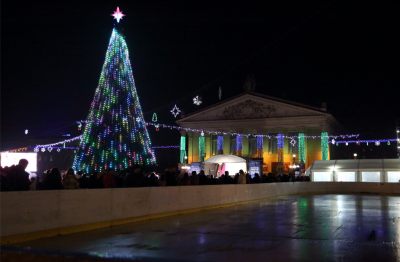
<point>15,178</point>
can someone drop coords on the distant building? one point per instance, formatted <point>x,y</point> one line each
<point>253,113</point>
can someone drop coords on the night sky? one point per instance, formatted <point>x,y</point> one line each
<point>342,52</point>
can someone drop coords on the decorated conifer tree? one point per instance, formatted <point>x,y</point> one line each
<point>115,135</point>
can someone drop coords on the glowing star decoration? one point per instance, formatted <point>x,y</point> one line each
<point>175,111</point>
<point>118,14</point>
<point>377,143</point>
<point>197,100</point>
<point>293,142</point>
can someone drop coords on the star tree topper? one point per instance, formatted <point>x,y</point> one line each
<point>118,14</point>
<point>175,111</point>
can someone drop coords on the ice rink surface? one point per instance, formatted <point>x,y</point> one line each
<point>291,228</point>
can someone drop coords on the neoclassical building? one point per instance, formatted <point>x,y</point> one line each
<point>253,113</point>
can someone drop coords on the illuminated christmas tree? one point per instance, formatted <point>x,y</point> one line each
<point>115,135</point>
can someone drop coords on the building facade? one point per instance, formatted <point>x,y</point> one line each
<point>253,113</point>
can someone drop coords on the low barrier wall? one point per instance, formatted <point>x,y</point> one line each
<point>28,215</point>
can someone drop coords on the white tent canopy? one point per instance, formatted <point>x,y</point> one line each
<point>232,164</point>
<point>355,170</point>
<point>224,158</point>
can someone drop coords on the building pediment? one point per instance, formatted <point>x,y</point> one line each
<point>250,106</point>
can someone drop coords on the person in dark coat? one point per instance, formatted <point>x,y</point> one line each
<point>170,178</point>
<point>52,181</point>
<point>184,181</point>
<point>108,180</point>
<point>227,179</point>
<point>18,178</point>
<point>202,178</point>
<point>152,180</point>
<point>256,179</point>
<point>135,177</point>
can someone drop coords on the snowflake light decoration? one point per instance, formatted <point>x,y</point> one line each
<point>197,100</point>
<point>333,141</point>
<point>202,133</point>
<point>137,119</point>
<point>43,149</point>
<point>49,148</point>
<point>377,143</point>
<point>175,111</point>
<point>36,150</point>
<point>58,150</point>
<point>293,142</point>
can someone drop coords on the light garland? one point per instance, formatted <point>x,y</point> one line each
<point>239,145</point>
<point>202,148</point>
<point>155,147</point>
<point>239,142</point>
<point>59,143</point>
<point>324,145</point>
<point>247,135</point>
<point>183,149</point>
<point>220,143</point>
<point>260,142</point>
<point>280,140</point>
<point>367,141</point>
<point>15,150</point>
<point>302,148</point>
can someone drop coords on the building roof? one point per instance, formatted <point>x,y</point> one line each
<point>257,95</point>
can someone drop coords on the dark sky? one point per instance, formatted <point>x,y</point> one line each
<point>342,52</point>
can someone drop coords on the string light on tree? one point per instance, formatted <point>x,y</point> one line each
<point>175,111</point>
<point>115,135</point>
